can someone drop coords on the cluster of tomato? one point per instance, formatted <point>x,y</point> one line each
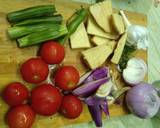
<point>45,99</point>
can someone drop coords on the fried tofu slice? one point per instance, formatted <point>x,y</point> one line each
<point>79,39</point>
<point>119,49</point>
<point>94,29</point>
<point>96,56</point>
<point>118,23</point>
<point>101,13</point>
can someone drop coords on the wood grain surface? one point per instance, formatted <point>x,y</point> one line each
<point>11,58</point>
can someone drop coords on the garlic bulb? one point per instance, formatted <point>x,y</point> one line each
<point>136,34</point>
<point>135,71</point>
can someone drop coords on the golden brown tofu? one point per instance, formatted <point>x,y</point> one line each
<point>96,56</point>
<point>118,23</point>
<point>94,29</point>
<point>119,49</point>
<point>79,39</point>
<point>101,13</point>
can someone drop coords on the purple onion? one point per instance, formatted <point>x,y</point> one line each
<point>95,74</point>
<point>96,114</point>
<point>96,105</point>
<point>84,77</point>
<point>93,100</point>
<point>143,100</point>
<point>104,106</point>
<point>95,110</point>
<point>89,88</point>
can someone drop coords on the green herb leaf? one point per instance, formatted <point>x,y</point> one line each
<point>126,55</point>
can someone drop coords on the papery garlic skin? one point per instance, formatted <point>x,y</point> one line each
<point>49,79</point>
<point>135,71</point>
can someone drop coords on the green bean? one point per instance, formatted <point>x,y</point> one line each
<point>79,17</point>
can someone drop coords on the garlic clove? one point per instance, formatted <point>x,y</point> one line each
<point>137,63</point>
<point>135,71</point>
<point>132,76</point>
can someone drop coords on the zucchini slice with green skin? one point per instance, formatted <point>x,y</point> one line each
<point>51,19</point>
<point>19,31</point>
<point>39,37</point>
<point>31,12</point>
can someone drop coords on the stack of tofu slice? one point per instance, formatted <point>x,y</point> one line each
<point>107,35</point>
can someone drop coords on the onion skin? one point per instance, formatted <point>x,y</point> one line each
<point>94,106</point>
<point>89,88</point>
<point>97,74</point>
<point>93,100</point>
<point>143,100</point>
<point>93,75</point>
<point>84,77</point>
<point>104,106</point>
<point>105,89</point>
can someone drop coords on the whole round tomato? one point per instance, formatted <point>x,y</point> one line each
<point>46,99</point>
<point>71,106</point>
<point>21,116</point>
<point>67,77</point>
<point>15,94</point>
<point>52,52</point>
<point>34,70</point>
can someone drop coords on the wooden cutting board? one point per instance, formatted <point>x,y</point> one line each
<point>11,58</point>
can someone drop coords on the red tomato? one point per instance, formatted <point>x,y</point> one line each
<point>46,99</point>
<point>15,94</point>
<point>21,116</point>
<point>34,70</point>
<point>52,52</point>
<point>67,77</point>
<point>71,106</point>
